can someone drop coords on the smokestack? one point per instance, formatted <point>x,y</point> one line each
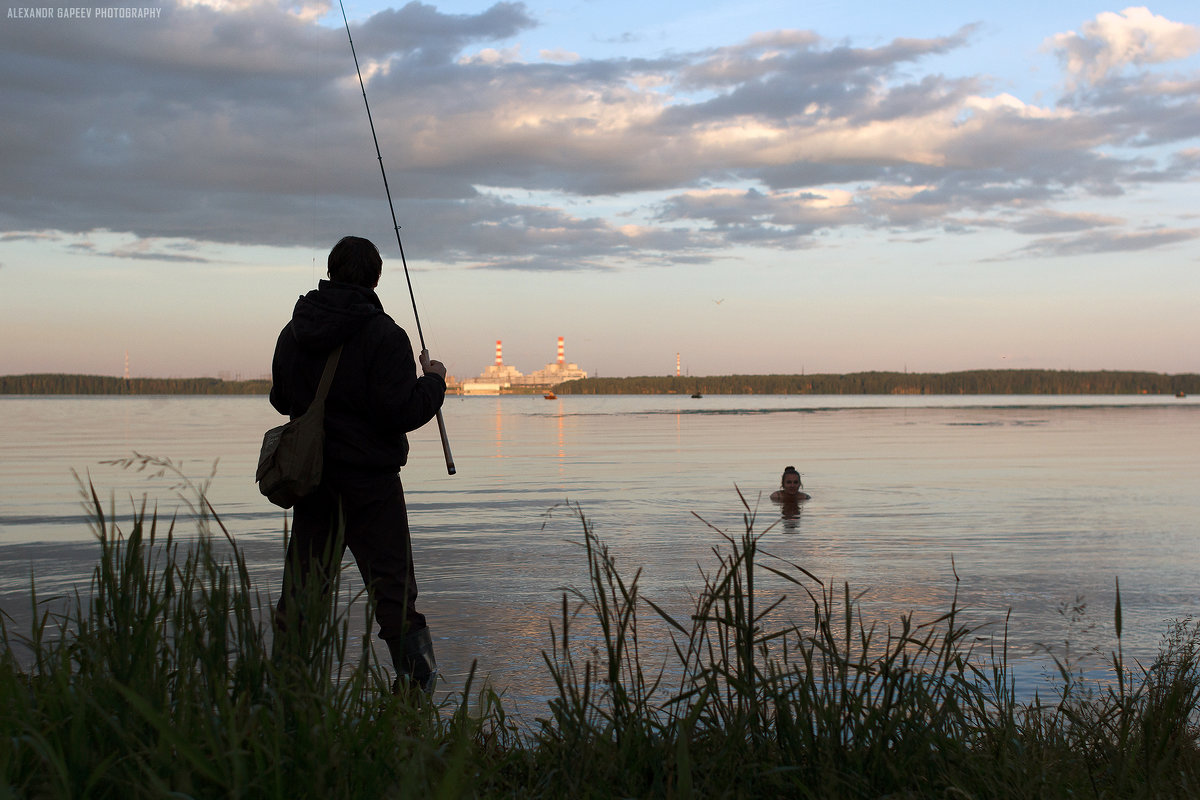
<point>677,365</point>
<point>499,359</point>
<point>561,358</point>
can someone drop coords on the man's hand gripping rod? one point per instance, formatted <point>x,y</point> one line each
<point>396,226</point>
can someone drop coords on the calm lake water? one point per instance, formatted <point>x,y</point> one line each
<point>1034,502</point>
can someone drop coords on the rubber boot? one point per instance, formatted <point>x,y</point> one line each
<point>412,656</point>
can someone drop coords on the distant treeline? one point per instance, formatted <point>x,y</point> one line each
<point>1012,381</point>
<point>103,384</point>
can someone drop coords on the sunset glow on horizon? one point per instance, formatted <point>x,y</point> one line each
<point>762,187</point>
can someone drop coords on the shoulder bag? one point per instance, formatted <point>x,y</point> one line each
<point>291,460</point>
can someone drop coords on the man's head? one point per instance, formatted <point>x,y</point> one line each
<point>355,260</point>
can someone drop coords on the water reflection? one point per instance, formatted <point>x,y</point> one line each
<point>911,498</point>
<point>790,511</point>
<point>562,452</point>
<point>498,428</point>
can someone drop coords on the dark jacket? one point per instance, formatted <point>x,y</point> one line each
<point>376,396</point>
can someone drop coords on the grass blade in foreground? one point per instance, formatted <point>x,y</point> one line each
<point>160,679</point>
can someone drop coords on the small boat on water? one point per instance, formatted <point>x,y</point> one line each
<point>550,396</point>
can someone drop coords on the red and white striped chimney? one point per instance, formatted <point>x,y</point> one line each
<point>561,358</point>
<point>499,358</point>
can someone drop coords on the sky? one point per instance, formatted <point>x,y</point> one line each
<point>759,186</point>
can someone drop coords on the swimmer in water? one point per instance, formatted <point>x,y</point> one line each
<point>790,486</point>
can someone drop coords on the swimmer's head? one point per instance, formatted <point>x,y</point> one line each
<point>791,480</point>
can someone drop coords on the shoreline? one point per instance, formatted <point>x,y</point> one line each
<point>970,382</point>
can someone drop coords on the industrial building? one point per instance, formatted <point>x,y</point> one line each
<point>500,378</point>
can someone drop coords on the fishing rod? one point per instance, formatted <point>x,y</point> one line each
<point>396,227</point>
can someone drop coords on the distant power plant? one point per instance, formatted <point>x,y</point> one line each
<point>500,378</point>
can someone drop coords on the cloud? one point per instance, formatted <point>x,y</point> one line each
<point>490,56</point>
<point>1047,221</point>
<point>307,10</point>
<point>778,219</point>
<point>151,250</point>
<point>105,244</point>
<point>1103,242</point>
<point>231,121</point>
<point>1113,41</point>
<point>559,55</point>
<point>30,236</point>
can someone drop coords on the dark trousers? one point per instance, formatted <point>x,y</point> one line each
<point>372,520</point>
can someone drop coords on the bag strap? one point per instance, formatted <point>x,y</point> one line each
<point>327,375</point>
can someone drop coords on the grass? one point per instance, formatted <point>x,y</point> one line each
<point>162,680</point>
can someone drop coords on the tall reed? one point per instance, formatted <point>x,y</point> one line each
<point>165,678</point>
<point>162,680</point>
<point>834,707</point>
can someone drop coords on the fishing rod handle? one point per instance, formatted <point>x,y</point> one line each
<point>425,362</point>
<point>445,443</point>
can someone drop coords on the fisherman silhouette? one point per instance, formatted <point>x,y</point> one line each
<point>375,399</point>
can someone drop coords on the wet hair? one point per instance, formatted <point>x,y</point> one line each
<point>355,260</point>
<point>790,470</point>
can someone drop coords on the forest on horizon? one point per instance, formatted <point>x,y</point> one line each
<point>1014,381</point>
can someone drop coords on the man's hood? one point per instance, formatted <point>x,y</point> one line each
<point>332,313</point>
